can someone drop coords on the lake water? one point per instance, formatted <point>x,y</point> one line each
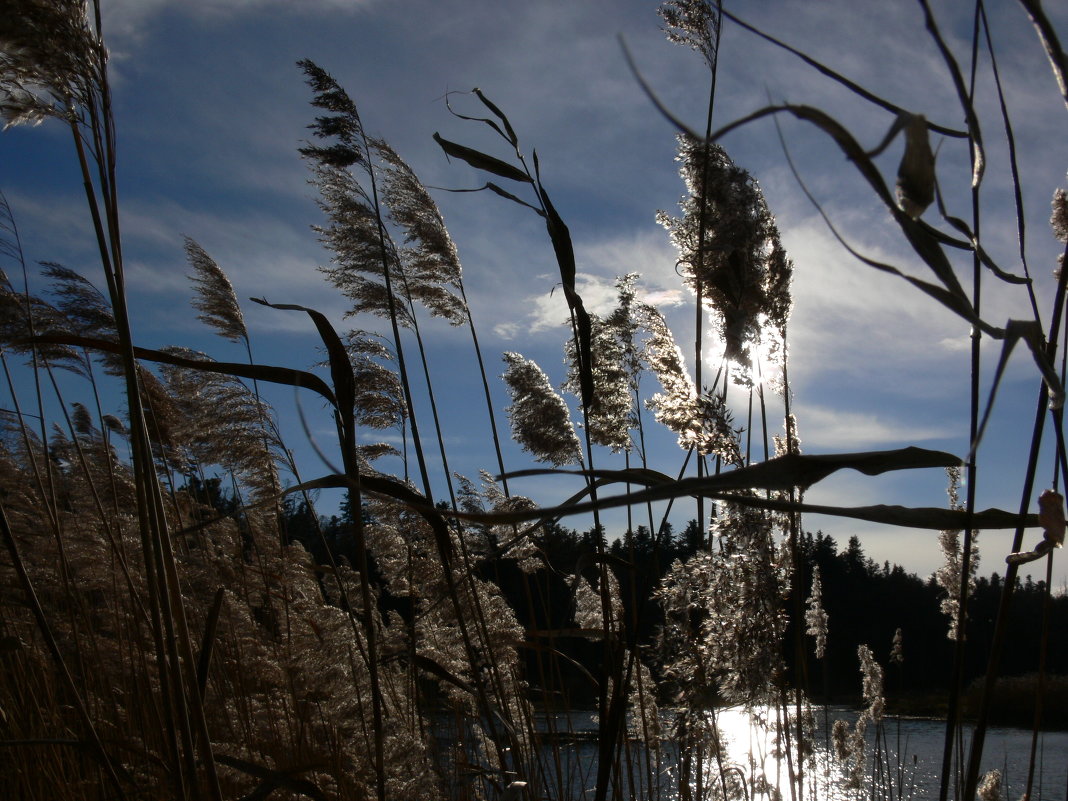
<point>916,774</point>
<point>749,752</point>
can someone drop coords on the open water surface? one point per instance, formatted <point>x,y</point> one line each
<point>749,750</point>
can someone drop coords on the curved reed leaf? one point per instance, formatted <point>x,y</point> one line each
<point>508,134</point>
<point>971,245</point>
<point>926,247</point>
<point>1058,59</point>
<point>391,488</point>
<point>975,134</point>
<point>774,474</point>
<point>482,161</point>
<point>785,472</point>
<point>531,645</point>
<point>952,299</point>
<point>340,367</point>
<point>933,518</point>
<point>1030,332</point>
<point>565,258</point>
<point>259,372</point>
<point>838,77</point>
<point>559,234</point>
<point>496,190</point>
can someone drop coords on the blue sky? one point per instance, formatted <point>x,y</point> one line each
<point>211,108</point>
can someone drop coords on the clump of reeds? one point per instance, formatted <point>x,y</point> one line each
<point>172,636</point>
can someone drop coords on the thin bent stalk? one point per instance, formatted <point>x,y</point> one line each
<point>957,676</point>
<point>1002,623</point>
<point>1040,690</point>
<point>698,268</point>
<point>174,648</point>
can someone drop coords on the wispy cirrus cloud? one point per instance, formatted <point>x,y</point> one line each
<point>601,263</point>
<point>827,429</point>
<point>126,18</point>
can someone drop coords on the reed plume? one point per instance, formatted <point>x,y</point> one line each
<point>610,417</point>
<point>222,422</point>
<point>949,575</point>
<point>379,394</point>
<point>24,316</point>
<point>499,541</point>
<point>49,57</point>
<point>702,422</point>
<point>816,618</point>
<point>431,265</point>
<point>540,420</point>
<point>739,266</point>
<point>694,24</point>
<point>215,298</point>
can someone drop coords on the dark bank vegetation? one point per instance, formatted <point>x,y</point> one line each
<point>178,620</point>
<point>866,604</point>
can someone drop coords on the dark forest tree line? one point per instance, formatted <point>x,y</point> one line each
<point>866,604</point>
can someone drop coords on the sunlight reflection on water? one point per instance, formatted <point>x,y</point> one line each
<point>750,753</point>
<point>750,744</point>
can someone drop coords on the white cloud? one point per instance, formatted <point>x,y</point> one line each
<point>850,318</point>
<point>826,429</point>
<point>126,18</point>
<point>601,263</point>
<point>506,330</point>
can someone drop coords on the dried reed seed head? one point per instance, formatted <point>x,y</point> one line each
<point>897,648</point>
<point>625,324</point>
<point>362,255</point>
<point>23,316</point>
<point>222,422</point>
<point>81,420</point>
<point>693,24</point>
<point>503,540</point>
<point>816,618</point>
<point>541,421</point>
<point>164,421</point>
<point>78,298</point>
<point>115,425</point>
<point>729,248</point>
<point>50,60</point>
<point>702,422</point>
<point>1059,218</point>
<point>789,442</point>
<point>610,416</point>
<point>411,206</point>
<point>343,125</point>
<point>379,401</point>
<point>724,611</point>
<point>840,739</point>
<point>989,788</point>
<point>872,675</point>
<point>948,576</point>
<point>431,262</point>
<point>215,298</point>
